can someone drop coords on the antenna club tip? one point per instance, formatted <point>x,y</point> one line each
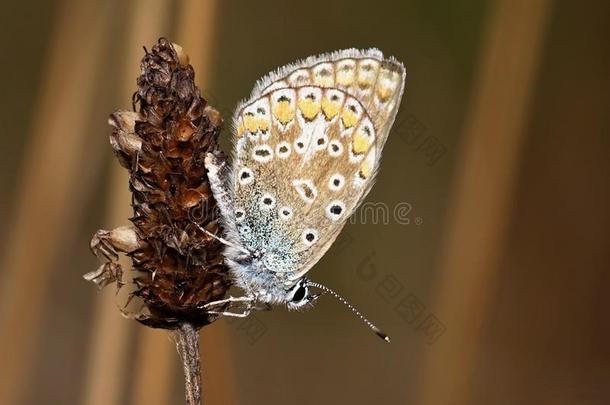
<point>383,336</point>
<point>375,329</point>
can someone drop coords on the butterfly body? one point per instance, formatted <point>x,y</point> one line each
<point>307,147</point>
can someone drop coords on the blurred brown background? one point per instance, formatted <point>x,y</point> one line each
<point>494,292</point>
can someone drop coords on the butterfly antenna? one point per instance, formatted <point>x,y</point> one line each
<point>370,324</point>
<point>222,240</point>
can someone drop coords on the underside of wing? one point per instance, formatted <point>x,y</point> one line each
<point>375,81</point>
<point>307,148</point>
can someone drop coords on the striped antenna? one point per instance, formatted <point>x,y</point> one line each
<point>370,324</point>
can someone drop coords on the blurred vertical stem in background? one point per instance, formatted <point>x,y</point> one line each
<point>178,267</point>
<point>50,173</point>
<point>108,365</point>
<point>485,180</point>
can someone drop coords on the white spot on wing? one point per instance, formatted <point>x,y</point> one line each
<point>286,213</point>
<point>309,236</point>
<point>245,176</point>
<point>335,210</point>
<point>336,182</point>
<point>262,153</point>
<point>267,202</point>
<point>282,150</point>
<point>306,189</point>
<point>300,145</point>
<point>335,148</point>
<point>321,142</point>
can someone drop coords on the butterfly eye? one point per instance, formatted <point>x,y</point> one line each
<point>240,214</point>
<point>299,294</point>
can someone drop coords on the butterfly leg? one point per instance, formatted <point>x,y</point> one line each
<point>231,314</point>
<point>249,303</point>
<point>246,298</point>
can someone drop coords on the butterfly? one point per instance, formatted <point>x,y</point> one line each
<point>307,146</point>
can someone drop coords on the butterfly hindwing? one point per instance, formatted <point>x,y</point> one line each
<point>376,82</point>
<point>307,148</point>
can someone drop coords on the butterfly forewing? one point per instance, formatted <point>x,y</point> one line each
<point>308,144</point>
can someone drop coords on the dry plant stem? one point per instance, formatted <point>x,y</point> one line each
<point>187,343</point>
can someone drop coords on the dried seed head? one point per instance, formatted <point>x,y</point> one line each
<point>182,56</point>
<point>163,145</point>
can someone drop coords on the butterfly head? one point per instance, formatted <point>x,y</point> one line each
<point>263,273</point>
<point>299,296</point>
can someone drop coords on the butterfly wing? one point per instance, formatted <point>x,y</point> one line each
<point>307,147</point>
<point>376,82</point>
